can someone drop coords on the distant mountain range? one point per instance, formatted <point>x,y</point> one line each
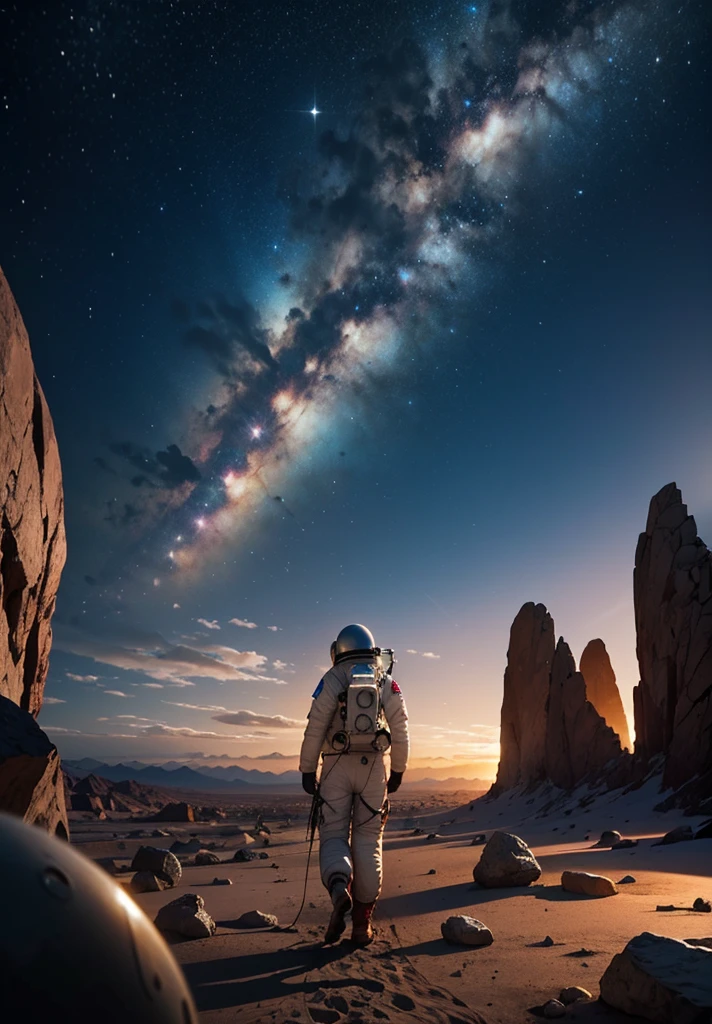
<point>235,779</point>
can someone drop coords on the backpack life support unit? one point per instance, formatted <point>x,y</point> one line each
<point>361,709</point>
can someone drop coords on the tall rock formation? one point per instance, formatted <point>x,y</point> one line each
<point>550,730</point>
<point>578,740</point>
<point>526,692</point>
<point>32,553</point>
<point>601,689</point>
<point>672,592</point>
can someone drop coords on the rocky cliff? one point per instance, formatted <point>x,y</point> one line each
<point>32,553</point>
<point>601,689</point>
<point>550,728</point>
<point>672,593</point>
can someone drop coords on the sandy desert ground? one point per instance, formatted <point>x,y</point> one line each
<point>410,973</point>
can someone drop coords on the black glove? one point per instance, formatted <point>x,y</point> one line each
<point>394,781</point>
<point>309,782</point>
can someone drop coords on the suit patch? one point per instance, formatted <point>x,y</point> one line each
<point>318,690</point>
<point>395,688</point>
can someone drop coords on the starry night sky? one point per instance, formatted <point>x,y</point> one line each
<point>410,361</point>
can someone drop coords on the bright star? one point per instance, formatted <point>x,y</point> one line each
<point>256,433</point>
<point>314,111</point>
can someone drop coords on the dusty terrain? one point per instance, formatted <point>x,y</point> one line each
<point>410,973</point>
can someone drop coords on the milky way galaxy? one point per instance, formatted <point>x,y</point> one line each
<point>408,205</point>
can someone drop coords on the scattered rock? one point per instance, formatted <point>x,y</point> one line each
<point>625,880</point>
<point>581,952</point>
<point>554,1009</point>
<point>660,979</point>
<point>162,863</point>
<point>479,840</point>
<point>432,871</point>
<point>506,861</point>
<point>584,884</point>
<point>221,881</point>
<point>461,930</point>
<point>204,857</point>
<point>609,838</point>
<point>433,835</point>
<point>418,832</point>
<point>242,856</point>
<point>624,844</point>
<point>175,812</point>
<point>547,941</point>
<point>682,834</point>
<point>146,881</point>
<point>263,856</point>
<point>186,916</point>
<point>181,848</point>
<point>573,994</point>
<point>456,974</point>
<point>256,919</point>
<point>702,906</point>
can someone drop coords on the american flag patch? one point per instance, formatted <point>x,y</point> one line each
<point>395,688</point>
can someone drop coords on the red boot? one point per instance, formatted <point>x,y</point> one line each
<point>362,932</point>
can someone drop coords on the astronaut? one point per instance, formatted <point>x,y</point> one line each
<point>363,751</point>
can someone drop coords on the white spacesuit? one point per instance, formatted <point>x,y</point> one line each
<point>356,777</point>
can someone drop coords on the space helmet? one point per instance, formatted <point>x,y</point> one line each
<point>354,639</point>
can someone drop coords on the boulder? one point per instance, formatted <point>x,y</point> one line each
<point>702,906</point>
<point>186,916</point>
<point>461,930</point>
<point>506,860</point>
<point>584,884</point>
<point>146,881</point>
<point>681,834</point>
<point>609,838</point>
<point>672,586</point>
<point>601,689</point>
<point>572,994</point>
<point>553,1009</point>
<point>31,781</point>
<point>32,540</point>
<point>661,979</point>
<point>162,863</point>
<point>175,812</point>
<point>526,693</point>
<point>242,856</point>
<point>221,881</point>
<point>256,919</point>
<point>204,857</point>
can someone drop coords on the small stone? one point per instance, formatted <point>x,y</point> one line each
<point>703,906</point>
<point>162,863</point>
<point>626,880</point>
<point>221,881</point>
<point>242,856</point>
<point>462,930</point>
<point>682,834</point>
<point>624,844</point>
<point>186,916</point>
<point>554,1009</point>
<point>609,837</point>
<point>432,871</point>
<point>584,884</point>
<point>456,974</point>
<point>573,994</point>
<point>433,835</point>
<point>146,881</point>
<point>548,941</point>
<point>204,857</point>
<point>263,856</point>
<point>256,919</point>
<point>479,840</point>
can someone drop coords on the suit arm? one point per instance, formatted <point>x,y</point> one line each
<point>323,707</point>
<point>397,718</point>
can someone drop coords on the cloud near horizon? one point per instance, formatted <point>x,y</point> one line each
<point>172,664</point>
<point>423,654</point>
<point>250,718</point>
<point>243,623</point>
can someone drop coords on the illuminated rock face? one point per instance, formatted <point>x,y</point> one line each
<point>526,692</point>
<point>550,731</point>
<point>672,589</point>
<point>602,691</point>
<point>32,553</point>
<point>32,541</point>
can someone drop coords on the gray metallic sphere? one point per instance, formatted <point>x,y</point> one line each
<point>74,946</point>
<point>353,638</point>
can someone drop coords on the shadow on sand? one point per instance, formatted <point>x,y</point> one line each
<point>453,897</point>
<point>257,977</point>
